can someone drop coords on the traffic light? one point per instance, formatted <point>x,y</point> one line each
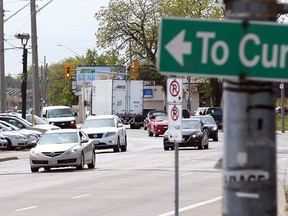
<point>67,71</point>
<point>135,65</point>
<point>134,68</point>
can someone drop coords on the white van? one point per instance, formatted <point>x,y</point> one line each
<point>61,116</point>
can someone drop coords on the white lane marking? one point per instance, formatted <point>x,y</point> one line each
<point>192,206</point>
<point>248,195</point>
<point>80,196</point>
<point>24,209</point>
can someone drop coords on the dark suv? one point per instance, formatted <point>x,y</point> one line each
<point>216,113</point>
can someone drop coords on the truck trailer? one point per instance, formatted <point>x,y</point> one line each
<point>123,98</point>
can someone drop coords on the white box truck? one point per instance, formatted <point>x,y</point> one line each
<point>123,98</point>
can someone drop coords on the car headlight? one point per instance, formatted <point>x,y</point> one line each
<point>74,149</point>
<point>214,128</point>
<point>34,152</point>
<point>110,134</point>
<point>18,137</point>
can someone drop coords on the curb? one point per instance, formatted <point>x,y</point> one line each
<point>8,158</point>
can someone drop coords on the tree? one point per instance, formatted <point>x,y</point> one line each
<point>132,26</point>
<point>211,93</point>
<point>59,90</point>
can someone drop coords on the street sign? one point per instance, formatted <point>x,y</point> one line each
<point>175,122</point>
<point>174,90</point>
<point>256,50</point>
<point>45,81</point>
<point>174,100</point>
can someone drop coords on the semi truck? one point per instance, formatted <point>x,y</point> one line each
<point>123,98</point>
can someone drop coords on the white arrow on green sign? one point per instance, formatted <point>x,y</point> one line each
<point>257,50</point>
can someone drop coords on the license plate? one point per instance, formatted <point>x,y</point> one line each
<point>95,142</point>
<point>52,162</point>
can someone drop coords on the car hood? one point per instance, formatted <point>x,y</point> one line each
<point>54,147</point>
<point>162,123</point>
<point>61,119</point>
<point>99,130</point>
<point>190,131</point>
<point>44,127</point>
<point>27,132</point>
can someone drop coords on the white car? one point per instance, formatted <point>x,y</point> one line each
<point>106,131</point>
<point>31,135</point>
<point>62,148</point>
<point>3,142</point>
<point>15,140</point>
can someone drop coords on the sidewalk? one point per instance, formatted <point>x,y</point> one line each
<point>6,155</point>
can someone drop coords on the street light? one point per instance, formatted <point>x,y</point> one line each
<point>24,40</point>
<point>82,106</point>
<point>82,57</point>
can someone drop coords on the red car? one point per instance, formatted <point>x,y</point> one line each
<point>157,125</point>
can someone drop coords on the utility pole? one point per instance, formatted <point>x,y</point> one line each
<point>2,62</point>
<point>35,68</point>
<point>249,162</point>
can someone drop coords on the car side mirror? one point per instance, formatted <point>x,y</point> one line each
<point>84,140</point>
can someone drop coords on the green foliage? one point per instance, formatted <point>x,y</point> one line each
<point>206,9</point>
<point>132,26</point>
<point>59,90</point>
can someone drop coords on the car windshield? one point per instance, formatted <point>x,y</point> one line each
<point>216,111</point>
<point>206,120</point>
<point>58,138</point>
<point>190,125</point>
<point>37,119</point>
<point>161,118</point>
<point>96,123</point>
<point>5,128</point>
<point>55,113</point>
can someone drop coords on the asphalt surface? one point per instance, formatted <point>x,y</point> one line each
<point>6,155</point>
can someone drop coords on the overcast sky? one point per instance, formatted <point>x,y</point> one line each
<point>67,22</point>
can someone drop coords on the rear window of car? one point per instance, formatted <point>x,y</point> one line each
<point>215,111</point>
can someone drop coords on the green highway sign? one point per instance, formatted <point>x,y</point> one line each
<point>45,81</point>
<point>88,71</point>
<point>256,50</point>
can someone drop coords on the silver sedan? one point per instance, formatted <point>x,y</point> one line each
<point>62,148</point>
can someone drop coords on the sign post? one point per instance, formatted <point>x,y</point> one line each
<point>174,100</point>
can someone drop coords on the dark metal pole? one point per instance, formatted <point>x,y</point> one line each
<point>249,162</point>
<point>282,108</point>
<point>24,82</point>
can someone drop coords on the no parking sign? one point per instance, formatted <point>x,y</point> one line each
<point>174,100</point>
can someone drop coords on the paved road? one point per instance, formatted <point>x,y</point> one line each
<point>138,182</point>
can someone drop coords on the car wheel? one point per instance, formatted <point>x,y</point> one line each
<point>215,139</point>
<point>92,164</point>
<point>34,169</point>
<point>150,133</point>
<point>155,133</point>
<point>124,148</point>
<point>9,145</point>
<point>47,168</point>
<point>117,147</point>
<point>200,146</point>
<point>81,165</point>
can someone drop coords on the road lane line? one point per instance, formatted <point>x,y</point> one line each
<point>24,209</point>
<point>193,206</point>
<point>80,196</point>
